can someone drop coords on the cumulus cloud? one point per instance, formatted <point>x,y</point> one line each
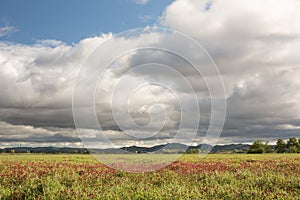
<point>37,81</point>
<point>254,43</point>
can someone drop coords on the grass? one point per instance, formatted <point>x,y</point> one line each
<point>73,176</point>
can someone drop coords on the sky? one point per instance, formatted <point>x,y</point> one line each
<point>44,46</point>
<point>72,21</point>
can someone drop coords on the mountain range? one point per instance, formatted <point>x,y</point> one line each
<point>164,148</point>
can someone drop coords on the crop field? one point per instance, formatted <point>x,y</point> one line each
<point>232,176</point>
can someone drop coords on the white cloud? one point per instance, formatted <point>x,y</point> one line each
<point>141,2</point>
<point>50,43</point>
<point>7,30</point>
<point>145,18</point>
<point>254,43</point>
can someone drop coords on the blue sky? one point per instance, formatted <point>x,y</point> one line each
<point>73,20</point>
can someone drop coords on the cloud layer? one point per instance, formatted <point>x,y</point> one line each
<point>255,44</point>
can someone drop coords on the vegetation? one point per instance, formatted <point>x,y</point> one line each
<point>75,176</point>
<point>257,147</point>
<point>280,146</point>
<point>291,146</point>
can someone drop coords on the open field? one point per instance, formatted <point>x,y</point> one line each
<point>234,176</point>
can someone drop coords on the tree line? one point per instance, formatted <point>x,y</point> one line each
<point>291,146</point>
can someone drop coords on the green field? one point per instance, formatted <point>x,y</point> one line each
<point>230,176</point>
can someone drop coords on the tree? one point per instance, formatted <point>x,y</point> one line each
<point>292,145</point>
<point>193,151</point>
<point>256,147</point>
<point>74,152</point>
<point>280,146</point>
<point>267,147</point>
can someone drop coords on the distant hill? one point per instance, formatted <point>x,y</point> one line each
<point>44,150</point>
<point>231,147</point>
<point>164,148</point>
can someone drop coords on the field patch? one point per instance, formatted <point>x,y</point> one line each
<point>31,176</point>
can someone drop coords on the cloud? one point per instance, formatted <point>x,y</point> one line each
<point>28,134</point>
<point>50,43</point>
<point>145,18</point>
<point>7,30</point>
<point>254,43</point>
<point>255,46</point>
<point>140,2</point>
<point>37,81</point>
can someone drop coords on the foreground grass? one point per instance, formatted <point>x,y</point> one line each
<point>40,176</point>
